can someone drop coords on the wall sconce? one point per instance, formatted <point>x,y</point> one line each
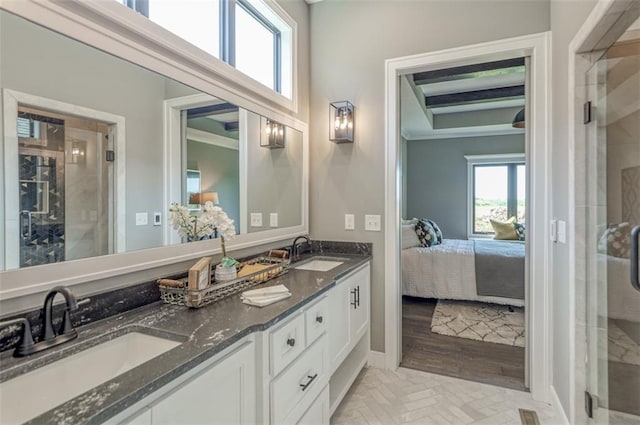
<point>271,134</point>
<point>78,153</point>
<point>341,122</point>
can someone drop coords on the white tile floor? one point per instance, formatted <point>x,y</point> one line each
<point>406,396</point>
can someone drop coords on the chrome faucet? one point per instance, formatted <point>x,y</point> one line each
<point>295,247</point>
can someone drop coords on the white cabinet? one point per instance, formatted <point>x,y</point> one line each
<point>219,391</point>
<point>318,413</point>
<point>222,394</point>
<point>348,314</point>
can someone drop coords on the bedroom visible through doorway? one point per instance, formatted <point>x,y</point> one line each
<point>464,208</point>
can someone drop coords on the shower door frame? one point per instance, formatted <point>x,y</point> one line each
<point>596,34</point>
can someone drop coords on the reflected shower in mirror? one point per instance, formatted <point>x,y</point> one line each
<point>85,153</point>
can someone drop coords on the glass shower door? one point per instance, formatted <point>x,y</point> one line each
<point>613,196</point>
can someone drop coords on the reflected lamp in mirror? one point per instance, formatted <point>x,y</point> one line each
<point>78,151</point>
<point>203,198</point>
<point>341,122</point>
<point>271,134</point>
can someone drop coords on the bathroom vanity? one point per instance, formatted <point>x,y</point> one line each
<point>288,363</point>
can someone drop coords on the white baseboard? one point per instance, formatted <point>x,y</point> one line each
<point>558,409</point>
<point>377,359</point>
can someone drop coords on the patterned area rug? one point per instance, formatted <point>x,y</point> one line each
<point>480,321</point>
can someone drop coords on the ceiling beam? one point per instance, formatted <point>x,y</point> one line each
<point>470,71</point>
<point>220,108</point>
<point>474,96</point>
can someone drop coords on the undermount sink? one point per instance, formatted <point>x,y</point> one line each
<point>321,264</point>
<point>33,393</point>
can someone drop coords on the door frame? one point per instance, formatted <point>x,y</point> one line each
<point>537,47</point>
<point>9,204</point>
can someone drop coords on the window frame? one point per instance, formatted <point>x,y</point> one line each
<point>227,27</point>
<point>511,160</point>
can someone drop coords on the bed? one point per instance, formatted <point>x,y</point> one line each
<point>473,270</point>
<point>622,298</point>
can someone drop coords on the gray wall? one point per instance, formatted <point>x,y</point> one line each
<point>566,18</point>
<point>436,173</point>
<point>274,178</point>
<point>219,172</point>
<point>350,41</point>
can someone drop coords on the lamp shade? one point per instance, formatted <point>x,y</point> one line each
<point>209,197</point>
<point>518,120</point>
<point>341,122</point>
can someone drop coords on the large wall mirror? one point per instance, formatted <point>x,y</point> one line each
<point>96,148</point>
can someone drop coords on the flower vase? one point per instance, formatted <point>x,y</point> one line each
<point>223,273</point>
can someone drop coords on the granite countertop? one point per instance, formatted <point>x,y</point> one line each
<point>203,333</point>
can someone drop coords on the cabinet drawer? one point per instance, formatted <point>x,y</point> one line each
<point>294,390</point>
<point>316,319</point>
<point>286,343</point>
<point>318,413</point>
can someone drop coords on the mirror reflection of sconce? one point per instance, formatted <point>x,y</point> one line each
<point>271,134</point>
<point>78,153</point>
<point>203,198</point>
<point>341,122</point>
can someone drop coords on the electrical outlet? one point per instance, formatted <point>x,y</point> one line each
<point>273,219</point>
<point>256,219</point>
<point>372,223</point>
<point>157,219</point>
<point>349,222</point>
<point>142,218</point>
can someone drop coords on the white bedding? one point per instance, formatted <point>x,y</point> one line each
<point>445,271</point>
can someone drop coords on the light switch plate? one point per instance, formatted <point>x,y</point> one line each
<point>349,222</point>
<point>142,219</point>
<point>157,218</point>
<point>553,230</point>
<point>562,231</point>
<point>372,222</point>
<point>273,219</point>
<point>256,219</point>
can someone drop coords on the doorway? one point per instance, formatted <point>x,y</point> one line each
<point>464,177</point>
<point>535,47</point>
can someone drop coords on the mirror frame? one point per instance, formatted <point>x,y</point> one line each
<point>120,32</point>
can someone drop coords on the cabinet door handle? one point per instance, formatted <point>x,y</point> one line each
<point>358,295</point>
<point>311,379</point>
<point>353,303</point>
<point>319,319</point>
<point>291,341</point>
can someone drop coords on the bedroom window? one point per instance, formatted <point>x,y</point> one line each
<point>247,34</point>
<point>496,189</point>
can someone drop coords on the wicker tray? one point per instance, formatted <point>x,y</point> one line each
<point>217,291</point>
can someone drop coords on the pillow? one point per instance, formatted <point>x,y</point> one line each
<point>426,233</point>
<point>504,230</point>
<point>616,240</point>
<point>409,236</point>
<point>520,230</point>
<point>437,230</point>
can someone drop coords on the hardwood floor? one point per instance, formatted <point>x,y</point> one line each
<point>495,364</point>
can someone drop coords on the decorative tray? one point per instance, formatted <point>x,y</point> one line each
<point>258,270</point>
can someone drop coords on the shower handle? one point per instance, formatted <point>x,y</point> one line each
<point>26,235</point>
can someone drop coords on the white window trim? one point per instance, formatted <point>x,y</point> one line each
<point>472,160</point>
<point>165,52</point>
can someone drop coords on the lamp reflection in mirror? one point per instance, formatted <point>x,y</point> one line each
<point>203,198</point>
<point>272,134</point>
<point>341,115</point>
<point>78,151</point>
